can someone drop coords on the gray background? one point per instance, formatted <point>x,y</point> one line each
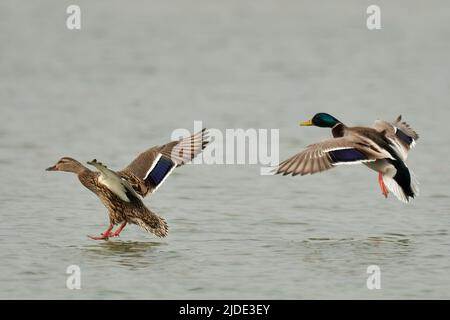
<point>137,70</point>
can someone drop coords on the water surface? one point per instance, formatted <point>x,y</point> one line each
<point>137,71</point>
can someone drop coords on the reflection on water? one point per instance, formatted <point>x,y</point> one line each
<point>130,254</point>
<point>126,248</point>
<point>334,255</point>
<point>389,243</point>
<point>395,238</point>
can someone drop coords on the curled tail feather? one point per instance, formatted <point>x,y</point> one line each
<point>152,223</point>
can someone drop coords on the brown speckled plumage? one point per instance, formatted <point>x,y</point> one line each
<point>121,191</point>
<point>134,212</point>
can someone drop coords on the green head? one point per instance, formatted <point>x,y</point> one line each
<point>323,120</point>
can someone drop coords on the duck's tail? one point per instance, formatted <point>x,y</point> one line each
<point>404,184</point>
<point>153,223</point>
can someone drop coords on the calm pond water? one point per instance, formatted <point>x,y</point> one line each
<point>137,71</point>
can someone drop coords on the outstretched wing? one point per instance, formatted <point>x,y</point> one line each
<point>329,153</point>
<point>399,133</point>
<point>150,169</point>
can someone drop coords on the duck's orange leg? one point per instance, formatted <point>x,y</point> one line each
<point>105,235</point>
<point>117,232</point>
<point>384,190</point>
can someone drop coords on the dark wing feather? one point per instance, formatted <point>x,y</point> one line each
<point>327,154</point>
<point>406,128</point>
<point>150,168</point>
<point>186,149</point>
<point>400,134</point>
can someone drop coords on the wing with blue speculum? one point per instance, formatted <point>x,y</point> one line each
<point>159,172</point>
<point>325,155</point>
<point>151,168</point>
<point>400,135</point>
<point>347,155</point>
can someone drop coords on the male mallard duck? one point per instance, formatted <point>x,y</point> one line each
<point>121,191</point>
<point>383,147</point>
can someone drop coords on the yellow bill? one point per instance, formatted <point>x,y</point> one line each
<point>306,123</point>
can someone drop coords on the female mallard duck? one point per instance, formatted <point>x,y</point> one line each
<point>383,147</point>
<point>121,191</point>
